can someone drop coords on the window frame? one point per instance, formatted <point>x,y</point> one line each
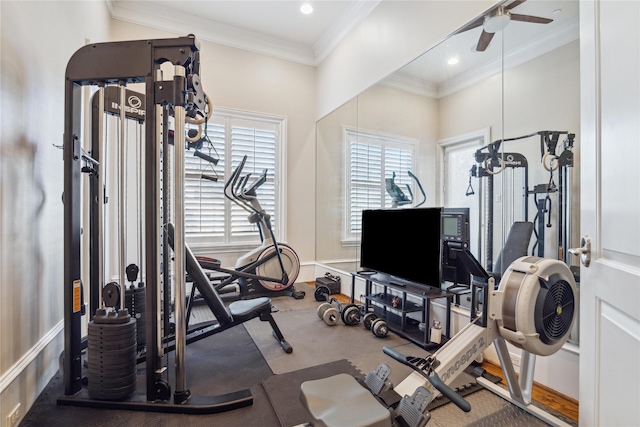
<point>201,241</point>
<point>384,140</point>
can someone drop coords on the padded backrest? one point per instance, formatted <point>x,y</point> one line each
<point>201,282</point>
<point>516,246</point>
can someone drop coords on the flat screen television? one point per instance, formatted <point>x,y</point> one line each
<point>404,243</point>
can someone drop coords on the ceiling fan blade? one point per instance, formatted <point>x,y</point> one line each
<point>475,24</point>
<point>514,4</point>
<point>483,42</point>
<point>529,18</point>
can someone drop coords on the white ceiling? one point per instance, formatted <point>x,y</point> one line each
<point>519,42</point>
<point>275,28</point>
<point>278,28</point>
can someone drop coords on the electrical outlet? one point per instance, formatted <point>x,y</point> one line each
<point>515,359</point>
<point>14,416</point>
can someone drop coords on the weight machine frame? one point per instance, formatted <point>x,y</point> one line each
<point>489,157</point>
<point>122,63</point>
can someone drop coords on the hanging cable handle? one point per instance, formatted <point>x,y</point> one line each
<point>470,191</point>
<point>548,202</point>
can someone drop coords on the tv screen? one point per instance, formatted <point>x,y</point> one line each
<point>404,243</point>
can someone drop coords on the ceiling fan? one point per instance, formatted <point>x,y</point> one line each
<point>497,20</point>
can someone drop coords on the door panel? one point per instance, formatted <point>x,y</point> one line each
<point>610,212</point>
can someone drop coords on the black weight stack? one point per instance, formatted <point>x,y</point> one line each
<point>111,355</point>
<point>134,301</point>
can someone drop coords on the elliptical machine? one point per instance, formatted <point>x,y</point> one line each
<point>268,270</point>
<point>398,198</point>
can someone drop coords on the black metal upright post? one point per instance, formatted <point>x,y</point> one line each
<point>72,152</point>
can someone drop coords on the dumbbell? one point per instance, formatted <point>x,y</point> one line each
<point>376,325</point>
<point>349,313</point>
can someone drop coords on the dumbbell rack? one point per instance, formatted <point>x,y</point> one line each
<point>380,292</point>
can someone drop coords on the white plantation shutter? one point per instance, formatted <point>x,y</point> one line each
<point>211,219</point>
<point>366,173</point>
<point>259,147</point>
<point>372,157</point>
<point>204,199</point>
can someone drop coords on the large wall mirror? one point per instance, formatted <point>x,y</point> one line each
<point>487,120</point>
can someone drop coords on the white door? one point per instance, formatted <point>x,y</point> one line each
<point>459,190</point>
<point>610,213</point>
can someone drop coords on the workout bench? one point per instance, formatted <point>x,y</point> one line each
<point>226,316</point>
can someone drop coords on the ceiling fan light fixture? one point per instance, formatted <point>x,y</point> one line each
<point>496,22</point>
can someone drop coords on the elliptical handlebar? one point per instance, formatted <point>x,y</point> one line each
<point>233,179</point>
<point>240,190</point>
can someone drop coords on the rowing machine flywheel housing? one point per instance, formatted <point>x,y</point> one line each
<point>539,298</point>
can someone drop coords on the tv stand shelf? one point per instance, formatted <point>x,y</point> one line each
<point>388,298</point>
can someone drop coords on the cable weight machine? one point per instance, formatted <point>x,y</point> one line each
<point>122,63</point>
<point>491,161</point>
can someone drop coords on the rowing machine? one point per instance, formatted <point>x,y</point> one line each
<point>533,309</point>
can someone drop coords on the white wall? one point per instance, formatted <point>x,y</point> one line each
<point>37,39</point>
<point>395,33</point>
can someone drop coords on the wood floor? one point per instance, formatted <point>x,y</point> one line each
<point>543,395</point>
<point>540,394</point>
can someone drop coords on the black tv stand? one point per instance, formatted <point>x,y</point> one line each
<point>387,297</point>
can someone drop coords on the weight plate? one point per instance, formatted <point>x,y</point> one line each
<point>331,316</point>
<point>122,365</point>
<point>111,394</point>
<point>322,293</point>
<point>322,309</point>
<point>379,328</point>
<point>108,382</point>
<point>351,315</point>
<point>111,294</point>
<point>114,344</point>
<point>110,333</point>
<point>368,320</point>
<point>97,349</point>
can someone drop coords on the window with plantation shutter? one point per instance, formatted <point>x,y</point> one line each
<point>372,157</point>
<point>212,220</point>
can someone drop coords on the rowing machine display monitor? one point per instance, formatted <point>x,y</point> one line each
<point>454,233</point>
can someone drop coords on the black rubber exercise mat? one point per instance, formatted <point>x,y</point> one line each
<point>220,364</point>
<point>283,390</point>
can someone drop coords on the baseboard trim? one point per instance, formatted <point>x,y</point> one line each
<point>16,370</point>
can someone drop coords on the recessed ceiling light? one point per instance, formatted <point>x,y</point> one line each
<point>557,12</point>
<point>453,61</point>
<point>306,9</point>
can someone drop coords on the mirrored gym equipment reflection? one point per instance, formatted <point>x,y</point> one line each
<point>495,130</point>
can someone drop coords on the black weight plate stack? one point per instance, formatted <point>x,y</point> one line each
<point>134,301</point>
<point>112,352</point>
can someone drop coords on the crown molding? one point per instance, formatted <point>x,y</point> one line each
<point>185,23</point>
<point>339,30</point>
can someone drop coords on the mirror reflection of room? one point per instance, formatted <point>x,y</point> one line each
<point>448,118</point>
